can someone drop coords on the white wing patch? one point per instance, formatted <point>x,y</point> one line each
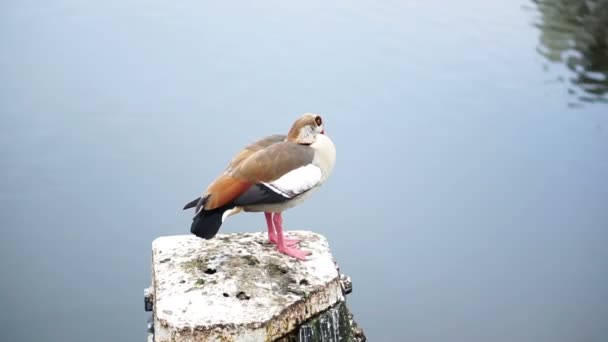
<point>296,181</point>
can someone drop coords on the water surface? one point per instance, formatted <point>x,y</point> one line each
<point>469,199</point>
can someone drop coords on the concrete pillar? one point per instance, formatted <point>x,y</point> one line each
<point>237,287</point>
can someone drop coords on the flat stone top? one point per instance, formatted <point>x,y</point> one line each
<point>236,279</point>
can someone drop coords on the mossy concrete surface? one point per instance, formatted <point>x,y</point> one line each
<point>333,325</point>
<point>237,287</point>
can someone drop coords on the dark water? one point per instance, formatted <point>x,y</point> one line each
<point>576,34</point>
<point>469,199</point>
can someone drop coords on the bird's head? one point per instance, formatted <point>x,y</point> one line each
<point>305,129</point>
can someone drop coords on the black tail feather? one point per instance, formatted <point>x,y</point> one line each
<point>207,222</point>
<point>192,204</point>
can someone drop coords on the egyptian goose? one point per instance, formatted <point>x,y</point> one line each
<point>271,175</point>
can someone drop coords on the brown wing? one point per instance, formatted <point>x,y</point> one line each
<point>252,148</point>
<point>229,186</point>
<point>272,162</point>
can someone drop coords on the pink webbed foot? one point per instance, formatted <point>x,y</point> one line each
<point>272,234</point>
<point>288,242</point>
<point>282,243</point>
<point>294,252</point>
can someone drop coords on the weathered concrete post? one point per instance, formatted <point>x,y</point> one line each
<point>237,287</point>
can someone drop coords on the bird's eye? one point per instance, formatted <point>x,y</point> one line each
<point>318,121</point>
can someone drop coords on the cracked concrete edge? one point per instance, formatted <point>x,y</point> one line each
<point>288,320</point>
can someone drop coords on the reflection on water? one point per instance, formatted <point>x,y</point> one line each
<point>574,32</point>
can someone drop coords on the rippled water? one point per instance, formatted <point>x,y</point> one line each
<point>575,34</point>
<point>468,202</point>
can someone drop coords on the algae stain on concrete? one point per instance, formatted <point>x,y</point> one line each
<point>195,264</point>
<point>333,324</point>
<point>285,282</point>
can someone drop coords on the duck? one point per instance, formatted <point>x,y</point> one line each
<point>271,175</point>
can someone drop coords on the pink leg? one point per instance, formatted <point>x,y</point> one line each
<point>281,245</point>
<point>272,234</point>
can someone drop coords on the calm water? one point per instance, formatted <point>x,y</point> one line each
<point>470,196</point>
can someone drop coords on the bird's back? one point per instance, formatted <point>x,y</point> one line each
<point>252,148</point>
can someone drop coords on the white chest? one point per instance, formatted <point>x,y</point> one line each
<point>325,155</point>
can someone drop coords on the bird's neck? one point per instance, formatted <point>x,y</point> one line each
<point>303,136</point>
<point>325,154</point>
